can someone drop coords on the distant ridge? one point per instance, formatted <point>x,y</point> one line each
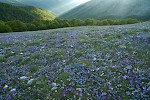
<point>9,12</point>
<point>58,7</point>
<point>114,9</point>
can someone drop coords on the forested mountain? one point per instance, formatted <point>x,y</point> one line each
<point>101,9</point>
<point>57,7</point>
<point>10,12</point>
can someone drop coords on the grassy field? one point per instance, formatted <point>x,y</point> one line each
<point>84,63</point>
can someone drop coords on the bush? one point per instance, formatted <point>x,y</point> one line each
<point>4,28</point>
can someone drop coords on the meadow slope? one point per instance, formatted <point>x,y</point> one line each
<point>89,62</point>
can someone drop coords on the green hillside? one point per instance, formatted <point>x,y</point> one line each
<point>10,12</point>
<point>55,6</point>
<point>115,9</point>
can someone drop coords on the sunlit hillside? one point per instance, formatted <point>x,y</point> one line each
<point>10,12</point>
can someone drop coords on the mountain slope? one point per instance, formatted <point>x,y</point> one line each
<point>101,9</point>
<point>58,7</point>
<point>9,1</point>
<point>23,13</point>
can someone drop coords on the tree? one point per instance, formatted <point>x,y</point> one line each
<point>122,22</point>
<point>105,22</point>
<point>66,23</point>
<point>131,21</point>
<point>31,27</point>
<point>39,24</point>
<point>74,22</point>
<point>17,26</point>
<point>110,21</point>
<point>4,28</point>
<point>90,21</point>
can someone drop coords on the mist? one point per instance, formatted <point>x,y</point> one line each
<point>100,9</point>
<point>57,7</point>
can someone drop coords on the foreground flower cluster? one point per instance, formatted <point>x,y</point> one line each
<point>85,63</point>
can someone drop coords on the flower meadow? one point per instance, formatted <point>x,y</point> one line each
<point>76,63</point>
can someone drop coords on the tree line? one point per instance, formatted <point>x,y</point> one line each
<point>19,26</point>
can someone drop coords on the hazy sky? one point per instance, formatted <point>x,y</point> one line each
<point>58,7</point>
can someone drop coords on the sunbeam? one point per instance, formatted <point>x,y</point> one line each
<point>82,1</point>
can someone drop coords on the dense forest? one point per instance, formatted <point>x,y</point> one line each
<point>10,12</point>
